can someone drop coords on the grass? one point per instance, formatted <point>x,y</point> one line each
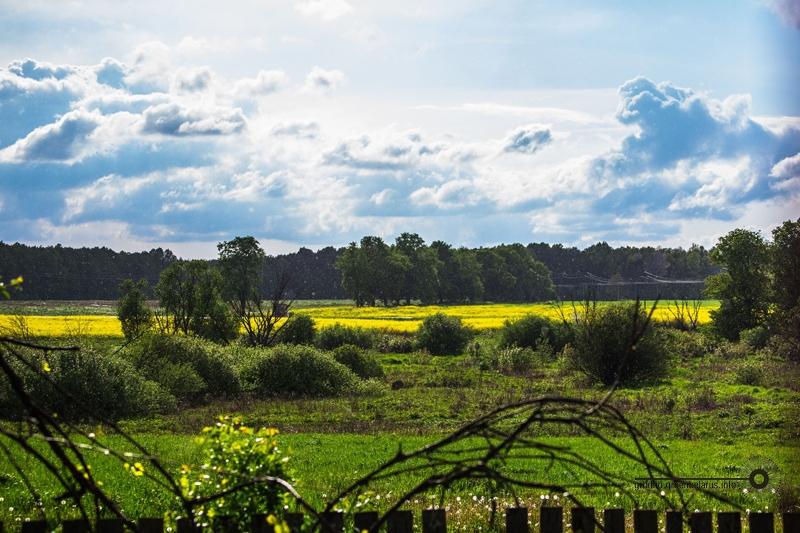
<point>69,319</point>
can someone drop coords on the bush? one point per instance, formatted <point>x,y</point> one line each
<point>298,370</point>
<point>299,329</point>
<point>531,331</point>
<point>363,364</point>
<point>686,344</point>
<point>756,337</point>
<point>338,335</point>
<point>97,385</point>
<point>186,366</point>
<point>232,454</point>
<point>513,360</point>
<point>601,345</point>
<point>443,335</point>
<point>393,343</point>
<point>749,374</point>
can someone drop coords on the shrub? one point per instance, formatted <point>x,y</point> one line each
<point>299,329</point>
<point>362,363</point>
<point>531,331</point>
<point>393,343</point>
<point>134,315</point>
<point>233,454</point>
<point>338,335</point>
<point>97,385</point>
<point>601,345</point>
<point>443,335</point>
<point>298,370</point>
<point>686,344</point>
<point>756,337</point>
<point>513,360</point>
<point>169,359</point>
<point>749,374</point>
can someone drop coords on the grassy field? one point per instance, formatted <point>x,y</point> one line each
<point>97,318</point>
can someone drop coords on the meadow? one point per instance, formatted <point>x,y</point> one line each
<point>98,318</point>
<point>722,410</point>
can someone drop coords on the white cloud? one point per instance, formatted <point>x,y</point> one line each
<point>324,9</point>
<point>265,82</point>
<point>323,81</point>
<point>175,119</point>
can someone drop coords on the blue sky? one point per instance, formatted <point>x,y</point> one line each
<point>180,124</point>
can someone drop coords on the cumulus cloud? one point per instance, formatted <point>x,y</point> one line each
<point>301,130</point>
<point>324,9</point>
<point>60,141</point>
<point>788,10</point>
<point>265,82</point>
<point>192,80</point>
<point>528,139</point>
<point>35,70</point>
<point>174,119</point>
<point>320,80</point>
<point>111,72</point>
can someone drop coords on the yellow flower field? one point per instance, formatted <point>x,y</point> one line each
<point>400,319</point>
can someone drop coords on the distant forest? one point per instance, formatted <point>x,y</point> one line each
<point>62,273</point>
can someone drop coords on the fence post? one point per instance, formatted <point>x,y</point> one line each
<point>34,526</point>
<point>791,522</point>
<point>365,520</point>
<point>761,522</point>
<point>614,521</point>
<point>551,520</point>
<point>517,520</point>
<point>729,523</point>
<point>400,522</point>
<point>645,521</point>
<point>151,525</point>
<point>332,522</point>
<point>674,522</point>
<point>109,525</point>
<point>583,520</point>
<point>434,521</point>
<point>75,526</point>
<point>700,522</point>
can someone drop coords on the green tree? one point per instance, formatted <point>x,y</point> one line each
<point>786,264</point>
<point>498,282</point>
<point>134,315</point>
<point>241,262</point>
<point>532,277</point>
<point>459,274</point>
<point>743,287</point>
<point>421,278</point>
<point>190,297</point>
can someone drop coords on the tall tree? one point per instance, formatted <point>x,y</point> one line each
<point>134,315</point>
<point>743,287</point>
<point>420,279</point>
<point>241,262</point>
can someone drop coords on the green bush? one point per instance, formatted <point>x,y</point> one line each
<point>134,315</point>
<point>756,337</point>
<point>394,343</point>
<point>233,454</point>
<point>288,370</point>
<point>96,385</point>
<point>749,373</point>
<point>443,335</point>
<point>687,344</point>
<point>170,359</point>
<point>337,335</point>
<point>602,345</point>
<point>513,360</point>
<point>362,363</point>
<point>299,329</point>
<point>531,331</point>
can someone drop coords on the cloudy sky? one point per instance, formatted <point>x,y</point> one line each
<point>135,124</point>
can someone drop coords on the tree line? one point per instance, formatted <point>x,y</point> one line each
<point>435,272</point>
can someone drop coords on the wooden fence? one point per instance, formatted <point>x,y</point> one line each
<point>550,520</point>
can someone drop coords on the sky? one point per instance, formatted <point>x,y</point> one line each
<point>139,124</point>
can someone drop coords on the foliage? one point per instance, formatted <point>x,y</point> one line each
<point>394,343</point>
<point>459,274</point>
<point>785,259</point>
<point>363,364</point>
<point>241,262</point>
<point>337,335</point>
<point>134,315</point>
<point>532,330</point>
<point>289,370</point>
<point>743,288</point>
<point>602,340</point>
<point>235,455</point>
<point>443,335</point>
<point>514,360</point>
<point>96,383</point>
<point>686,344</point>
<point>421,277</point>
<point>756,337</point>
<point>188,367</point>
<point>299,329</point>
<point>189,293</point>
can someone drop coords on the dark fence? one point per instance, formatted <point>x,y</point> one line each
<point>516,520</point>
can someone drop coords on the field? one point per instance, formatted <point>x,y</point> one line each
<point>710,416</point>
<point>97,318</point>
